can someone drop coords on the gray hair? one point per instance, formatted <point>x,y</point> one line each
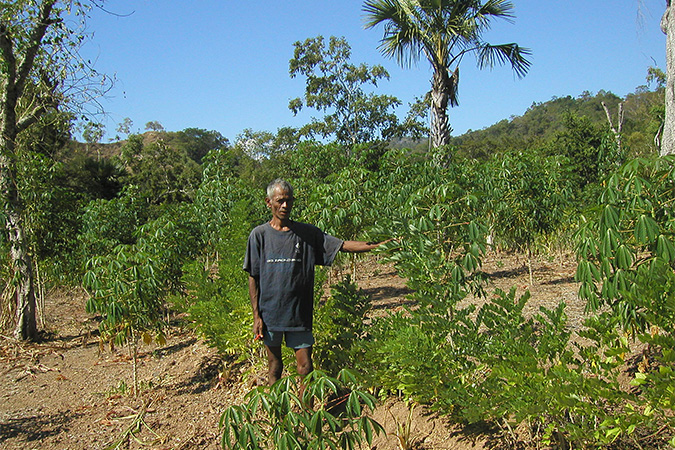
<point>280,184</point>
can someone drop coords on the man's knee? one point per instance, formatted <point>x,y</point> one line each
<point>303,358</point>
<point>305,368</point>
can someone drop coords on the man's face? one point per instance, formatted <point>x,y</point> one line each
<point>281,204</point>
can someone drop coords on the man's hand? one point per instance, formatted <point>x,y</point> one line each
<point>258,327</point>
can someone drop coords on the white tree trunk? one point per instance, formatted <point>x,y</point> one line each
<point>668,27</point>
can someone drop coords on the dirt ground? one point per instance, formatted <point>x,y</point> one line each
<point>67,393</point>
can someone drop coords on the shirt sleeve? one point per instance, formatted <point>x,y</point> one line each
<point>331,247</point>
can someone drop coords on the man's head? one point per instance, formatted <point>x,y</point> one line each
<point>279,184</point>
<point>280,199</point>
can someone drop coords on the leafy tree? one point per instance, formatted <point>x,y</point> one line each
<point>312,161</point>
<point>92,179</point>
<point>262,156</point>
<point>335,87</point>
<point>125,127</point>
<point>444,32</point>
<point>93,132</point>
<point>38,53</point>
<point>196,142</point>
<point>163,173</point>
<point>526,196</point>
<point>109,223</point>
<point>581,143</point>
<point>154,125</point>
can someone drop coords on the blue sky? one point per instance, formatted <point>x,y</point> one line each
<point>223,65</point>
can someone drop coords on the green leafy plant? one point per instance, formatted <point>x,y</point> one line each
<point>625,243</point>
<point>279,417</point>
<point>125,288</point>
<point>338,325</point>
<point>526,196</point>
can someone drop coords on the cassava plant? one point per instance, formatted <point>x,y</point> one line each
<point>124,287</point>
<point>279,417</point>
<point>526,196</point>
<point>339,324</point>
<point>342,206</point>
<point>626,255</point>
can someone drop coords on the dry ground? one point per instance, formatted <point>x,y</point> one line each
<point>67,393</point>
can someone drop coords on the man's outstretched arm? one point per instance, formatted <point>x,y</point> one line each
<point>361,246</point>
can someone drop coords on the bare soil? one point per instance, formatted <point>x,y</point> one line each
<point>66,392</point>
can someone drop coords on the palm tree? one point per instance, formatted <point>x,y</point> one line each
<point>444,31</point>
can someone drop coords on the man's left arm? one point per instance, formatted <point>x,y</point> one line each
<point>361,246</point>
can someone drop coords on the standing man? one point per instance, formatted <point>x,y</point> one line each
<point>280,259</point>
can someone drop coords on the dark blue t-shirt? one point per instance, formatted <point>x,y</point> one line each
<point>283,262</point>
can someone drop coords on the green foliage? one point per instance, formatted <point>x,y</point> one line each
<point>338,325</point>
<point>494,364</point>
<point>219,308</point>
<point>277,417</point>
<point>126,290</point>
<point>172,239</point>
<point>581,142</point>
<point>526,195</point>
<point>542,122</point>
<point>433,211</point>
<point>314,162</point>
<point>341,206</point>
<point>107,223</point>
<point>218,304</point>
<point>626,255</point>
<point>92,179</point>
<point>196,143</point>
<point>93,132</point>
<point>163,174</point>
<point>627,241</point>
<point>219,193</point>
<point>217,298</point>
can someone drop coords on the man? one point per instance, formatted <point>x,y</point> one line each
<point>280,259</point>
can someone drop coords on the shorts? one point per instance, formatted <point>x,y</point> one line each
<point>294,339</point>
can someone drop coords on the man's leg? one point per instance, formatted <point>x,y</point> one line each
<point>303,359</point>
<point>275,365</point>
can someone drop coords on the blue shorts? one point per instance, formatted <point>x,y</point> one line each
<point>294,339</point>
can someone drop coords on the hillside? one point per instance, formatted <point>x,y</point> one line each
<point>542,121</point>
<point>535,128</point>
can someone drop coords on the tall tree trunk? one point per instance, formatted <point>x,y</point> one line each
<point>26,324</point>
<point>668,27</point>
<point>440,131</point>
<point>21,270</point>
